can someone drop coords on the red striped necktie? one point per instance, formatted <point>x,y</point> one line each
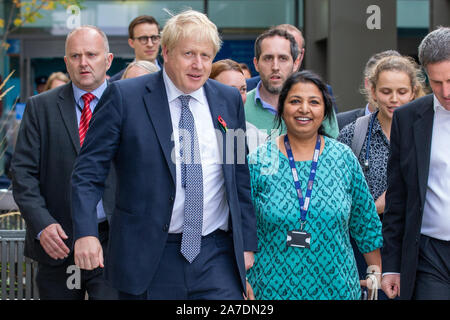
<point>86,116</point>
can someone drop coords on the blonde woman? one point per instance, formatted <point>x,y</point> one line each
<point>56,79</point>
<point>139,68</point>
<point>394,82</point>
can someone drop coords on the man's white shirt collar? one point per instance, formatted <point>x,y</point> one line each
<point>173,92</point>
<point>437,105</point>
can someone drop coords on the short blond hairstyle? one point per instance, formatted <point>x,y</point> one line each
<point>55,76</point>
<point>143,64</point>
<point>193,25</point>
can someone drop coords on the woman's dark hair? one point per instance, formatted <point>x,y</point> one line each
<point>304,77</point>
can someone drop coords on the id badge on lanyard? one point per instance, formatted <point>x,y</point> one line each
<point>300,238</point>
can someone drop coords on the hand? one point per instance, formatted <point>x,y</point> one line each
<point>249,259</point>
<point>380,203</point>
<point>249,292</point>
<point>88,253</point>
<point>391,285</point>
<point>51,240</point>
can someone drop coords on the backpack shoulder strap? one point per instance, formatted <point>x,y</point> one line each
<point>359,135</point>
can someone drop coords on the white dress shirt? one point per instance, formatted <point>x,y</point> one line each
<point>215,205</point>
<point>436,211</point>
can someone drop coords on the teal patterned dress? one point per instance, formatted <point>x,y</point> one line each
<point>341,204</point>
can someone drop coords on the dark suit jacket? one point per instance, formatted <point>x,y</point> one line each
<point>117,76</point>
<point>45,152</point>
<point>252,82</point>
<point>133,127</point>
<point>407,174</point>
<point>344,118</point>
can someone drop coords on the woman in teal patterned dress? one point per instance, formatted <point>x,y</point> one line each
<point>340,204</point>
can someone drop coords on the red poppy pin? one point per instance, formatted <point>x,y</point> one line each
<point>222,123</point>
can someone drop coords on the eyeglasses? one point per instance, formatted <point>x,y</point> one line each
<point>144,39</point>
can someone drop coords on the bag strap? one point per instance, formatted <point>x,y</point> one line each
<point>359,135</point>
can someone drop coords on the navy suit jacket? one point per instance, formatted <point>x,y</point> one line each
<point>408,167</point>
<point>132,127</point>
<point>347,117</point>
<point>252,82</point>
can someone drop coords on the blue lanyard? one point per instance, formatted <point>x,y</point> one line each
<point>304,202</point>
<point>369,138</point>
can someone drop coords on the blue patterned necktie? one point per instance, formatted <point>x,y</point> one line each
<point>191,181</point>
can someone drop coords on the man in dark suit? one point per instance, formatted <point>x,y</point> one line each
<point>181,229</point>
<point>53,128</point>
<point>144,39</point>
<point>416,228</point>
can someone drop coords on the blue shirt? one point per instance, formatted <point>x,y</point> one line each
<point>78,93</point>
<point>265,105</point>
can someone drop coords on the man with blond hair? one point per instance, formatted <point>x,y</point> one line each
<point>184,225</point>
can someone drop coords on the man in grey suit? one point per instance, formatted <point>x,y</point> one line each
<point>50,137</point>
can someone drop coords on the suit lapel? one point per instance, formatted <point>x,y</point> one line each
<point>157,107</point>
<point>66,106</point>
<point>217,108</point>
<point>423,131</point>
